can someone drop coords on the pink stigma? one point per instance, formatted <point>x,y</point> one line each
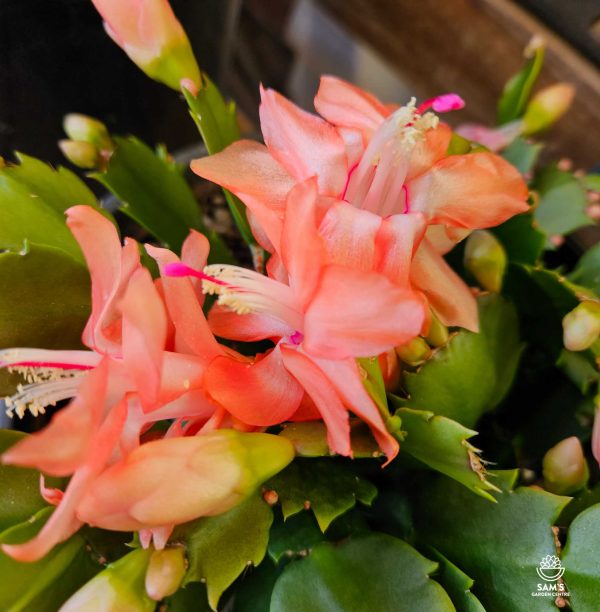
<point>443,104</point>
<point>180,269</point>
<point>297,337</point>
<point>46,364</point>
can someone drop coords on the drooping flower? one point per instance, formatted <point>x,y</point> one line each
<point>322,316</point>
<point>151,35</point>
<point>383,160</point>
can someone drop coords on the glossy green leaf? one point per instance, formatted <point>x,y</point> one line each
<point>457,584</point>
<point>587,270</point>
<point>522,154</point>
<point>542,298</point>
<point>523,241</point>
<point>442,444</point>
<point>220,547</point>
<point>294,537</point>
<point>155,194</point>
<point>363,574</point>
<point>579,369</point>
<point>580,560</point>
<point>191,598</point>
<point>498,545</point>
<point>34,310</point>
<point>20,498</point>
<point>484,364</point>
<point>580,502</point>
<point>592,182</point>
<point>326,487</point>
<point>517,90</point>
<point>120,586</point>
<point>254,592</point>
<point>44,584</point>
<point>562,203</point>
<point>310,439</point>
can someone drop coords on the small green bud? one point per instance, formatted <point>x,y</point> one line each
<point>565,468</point>
<point>416,352</point>
<point>486,259</point>
<point>438,333</point>
<point>547,107</point>
<point>581,327</point>
<point>81,154</point>
<point>165,572</point>
<point>87,129</point>
<point>119,587</point>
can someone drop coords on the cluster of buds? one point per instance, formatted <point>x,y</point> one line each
<point>89,145</point>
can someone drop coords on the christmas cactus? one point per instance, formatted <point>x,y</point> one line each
<point>380,394</point>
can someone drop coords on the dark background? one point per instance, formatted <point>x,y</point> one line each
<point>55,58</point>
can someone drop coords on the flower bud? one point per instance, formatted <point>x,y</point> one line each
<point>486,259</point>
<point>119,587</point>
<point>81,154</point>
<point>153,38</point>
<point>547,107</point>
<point>165,572</point>
<point>416,352</point>
<point>581,327</point>
<point>390,369</point>
<point>87,129</point>
<point>438,332</point>
<point>565,468</point>
<point>219,468</point>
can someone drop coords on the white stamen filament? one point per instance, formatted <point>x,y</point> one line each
<point>376,183</point>
<point>45,387</point>
<point>245,291</point>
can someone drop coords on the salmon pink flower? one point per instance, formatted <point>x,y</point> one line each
<point>151,35</point>
<point>322,317</point>
<point>384,160</point>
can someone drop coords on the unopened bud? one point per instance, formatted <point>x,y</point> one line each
<point>486,259</point>
<point>565,468</point>
<point>87,129</point>
<point>165,572</point>
<point>581,327</point>
<point>416,352</point>
<point>81,154</point>
<point>547,107</point>
<point>438,333</point>
<point>153,38</point>
<point>119,587</point>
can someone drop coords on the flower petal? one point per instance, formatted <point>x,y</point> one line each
<point>348,106</point>
<point>110,269</point>
<point>429,151</point>
<point>345,376</point>
<point>359,314</point>
<point>477,190</point>
<point>349,234</point>
<point>318,387</point>
<point>304,144</point>
<point>227,323</point>
<point>260,393</point>
<point>144,335</point>
<point>397,242</point>
<point>302,249</point>
<point>447,293</point>
<point>185,308</point>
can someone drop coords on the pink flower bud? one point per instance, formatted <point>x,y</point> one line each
<point>219,469</point>
<point>81,154</point>
<point>87,129</point>
<point>151,35</point>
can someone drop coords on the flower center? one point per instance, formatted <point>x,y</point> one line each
<point>245,291</point>
<point>377,182</point>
